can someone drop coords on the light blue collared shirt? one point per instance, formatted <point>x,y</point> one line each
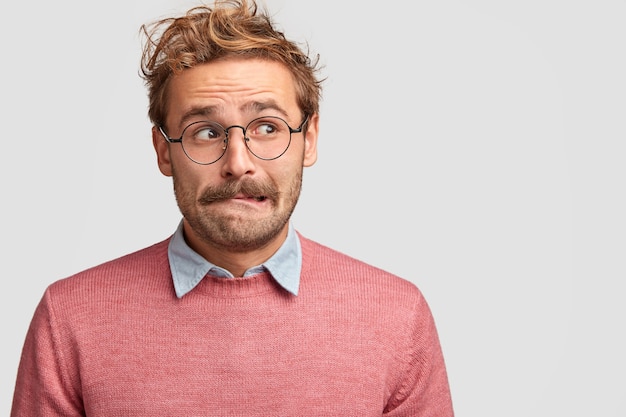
<point>188,267</point>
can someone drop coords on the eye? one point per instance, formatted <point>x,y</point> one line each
<point>204,132</point>
<point>264,129</point>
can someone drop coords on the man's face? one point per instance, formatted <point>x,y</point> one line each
<point>239,203</point>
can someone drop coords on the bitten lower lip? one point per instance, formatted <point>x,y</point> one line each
<point>252,200</point>
<point>260,198</point>
<point>245,197</point>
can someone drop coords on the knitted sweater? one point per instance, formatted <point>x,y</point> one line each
<point>114,340</point>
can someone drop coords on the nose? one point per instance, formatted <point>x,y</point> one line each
<point>237,161</point>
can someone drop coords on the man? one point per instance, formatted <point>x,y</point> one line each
<point>236,314</point>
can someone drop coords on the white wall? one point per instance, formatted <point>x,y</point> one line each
<point>473,147</point>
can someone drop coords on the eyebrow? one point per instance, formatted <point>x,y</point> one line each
<point>259,106</point>
<point>205,112</point>
<point>249,107</point>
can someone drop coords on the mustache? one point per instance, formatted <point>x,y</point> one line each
<point>249,188</point>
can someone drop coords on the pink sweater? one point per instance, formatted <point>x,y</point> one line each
<point>115,341</point>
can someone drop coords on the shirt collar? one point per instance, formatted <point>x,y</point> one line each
<point>188,267</point>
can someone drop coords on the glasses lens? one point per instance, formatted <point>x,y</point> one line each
<point>204,142</point>
<point>268,137</point>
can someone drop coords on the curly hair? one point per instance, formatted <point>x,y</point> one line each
<point>232,28</point>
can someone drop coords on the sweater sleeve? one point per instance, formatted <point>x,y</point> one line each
<point>424,390</point>
<point>43,386</point>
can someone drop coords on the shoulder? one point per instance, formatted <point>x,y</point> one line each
<point>342,272</point>
<point>124,273</point>
<point>387,307</point>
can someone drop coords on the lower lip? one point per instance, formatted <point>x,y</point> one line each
<point>253,201</point>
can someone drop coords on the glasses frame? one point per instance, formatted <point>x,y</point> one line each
<point>226,138</point>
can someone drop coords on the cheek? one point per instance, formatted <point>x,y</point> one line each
<point>189,177</point>
<point>289,177</point>
<point>290,164</point>
<point>283,176</point>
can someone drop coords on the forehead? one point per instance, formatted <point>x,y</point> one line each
<point>231,88</point>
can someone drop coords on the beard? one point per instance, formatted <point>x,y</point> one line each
<point>236,230</point>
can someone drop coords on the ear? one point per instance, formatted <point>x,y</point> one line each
<point>162,148</point>
<point>310,140</point>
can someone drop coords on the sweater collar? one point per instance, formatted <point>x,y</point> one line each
<point>189,268</point>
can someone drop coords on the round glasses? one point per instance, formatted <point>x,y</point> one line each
<point>205,142</point>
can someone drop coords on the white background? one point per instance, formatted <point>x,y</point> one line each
<point>475,148</point>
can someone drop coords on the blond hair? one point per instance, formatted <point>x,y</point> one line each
<point>231,28</point>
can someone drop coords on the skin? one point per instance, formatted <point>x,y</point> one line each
<point>236,231</point>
